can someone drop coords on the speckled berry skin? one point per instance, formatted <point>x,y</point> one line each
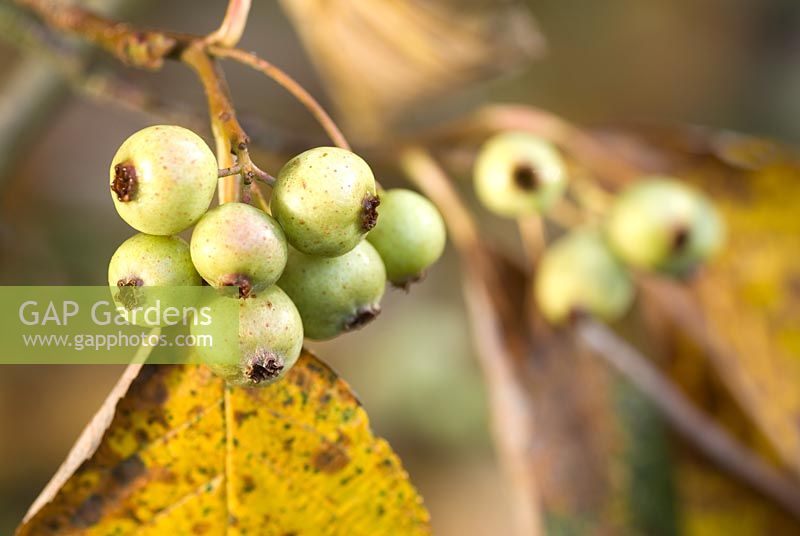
<point>517,174</point>
<point>163,179</point>
<point>152,272</point>
<point>662,224</point>
<point>259,345</point>
<point>236,244</point>
<point>578,275</point>
<point>155,261</point>
<point>410,235</point>
<point>325,199</point>
<point>335,294</point>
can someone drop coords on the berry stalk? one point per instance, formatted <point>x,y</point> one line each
<point>290,84</point>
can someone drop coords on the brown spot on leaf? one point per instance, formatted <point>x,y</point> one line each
<point>369,211</point>
<point>128,470</point>
<point>124,183</point>
<point>201,528</point>
<point>89,512</point>
<point>248,484</point>
<point>330,458</point>
<point>240,416</point>
<point>154,394</point>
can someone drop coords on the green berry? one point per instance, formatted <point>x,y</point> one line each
<point>153,261</point>
<point>325,200</point>
<point>664,225</point>
<point>335,294</point>
<point>145,271</point>
<point>517,173</point>
<point>579,275</point>
<point>236,244</point>
<point>410,235</point>
<point>163,179</point>
<point>256,341</point>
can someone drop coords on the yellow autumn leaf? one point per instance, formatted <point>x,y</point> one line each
<point>750,382</point>
<point>750,293</point>
<point>184,454</point>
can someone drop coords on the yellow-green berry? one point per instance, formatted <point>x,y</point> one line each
<point>517,173</point>
<point>578,275</point>
<point>256,341</point>
<point>335,294</point>
<point>144,272</point>
<point>153,261</point>
<point>325,200</point>
<point>665,225</point>
<point>410,235</point>
<point>163,179</point>
<point>236,244</point>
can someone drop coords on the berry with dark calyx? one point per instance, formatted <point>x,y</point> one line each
<point>335,294</point>
<point>325,200</point>
<point>256,341</point>
<point>664,225</point>
<point>163,179</point>
<point>236,244</point>
<point>517,174</point>
<point>410,235</point>
<point>578,275</point>
<point>151,271</point>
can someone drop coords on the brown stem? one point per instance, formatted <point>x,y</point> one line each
<point>510,404</point>
<point>534,240</point>
<point>288,83</point>
<point>228,133</point>
<point>258,198</point>
<point>140,48</point>
<point>228,171</point>
<point>690,422</point>
<point>422,169</point>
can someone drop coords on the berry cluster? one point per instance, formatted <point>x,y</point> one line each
<point>659,224</point>
<point>305,270</point>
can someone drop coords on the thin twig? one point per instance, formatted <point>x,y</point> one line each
<point>509,402</point>
<point>532,233</point>
<point>689,421</point>
<point>258,198</point>
<point>228,171</point>
<point>288,83</point>
<point>230,31</point>
<point>140,48</point>
<point>229,135</point>
<point>423,170</point>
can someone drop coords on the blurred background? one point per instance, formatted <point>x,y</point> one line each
<point>724,63</point>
